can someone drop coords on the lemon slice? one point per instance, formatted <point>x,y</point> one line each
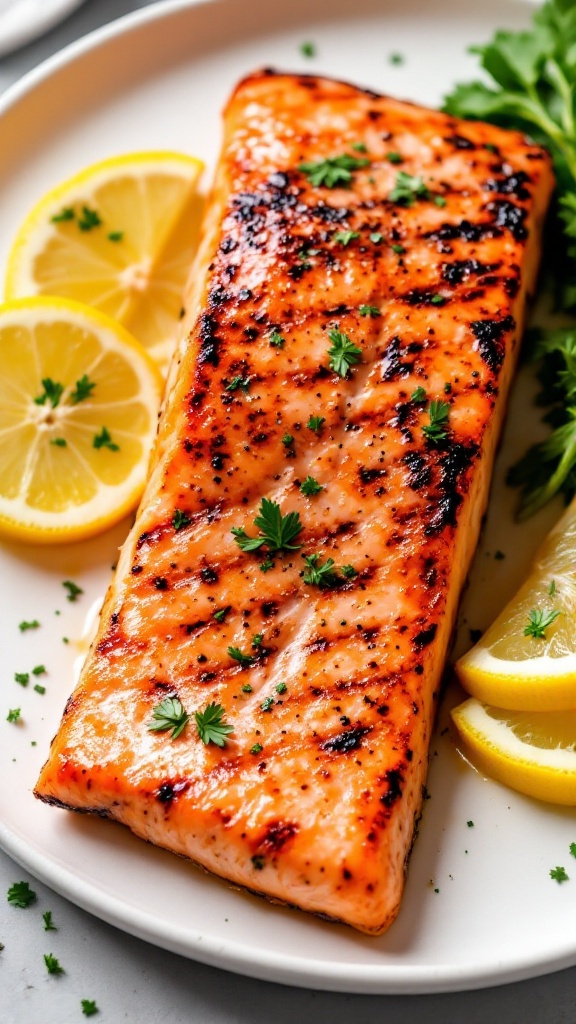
<point>78,413</point>
<point>513,669</point>
<point>532,752</point>
<point>119,236</point>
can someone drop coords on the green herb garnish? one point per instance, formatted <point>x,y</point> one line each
<point>308,49</point>
<point>39,670</point>
<point>257,748</point>
<point>13,714</point>
<point>104,440</point>
<point>408,189</point>
<point>49,925</point>
<point>52,392</point>
<point>343,353</point>
<point>238,382</point>
<point>318,574</point>
<point>89,219</point>
<point>281,688</point>
<point>276,340</point>
<point>371,311</point>
<point>439,413</point>
<point>310,486</point>
<point>180,520</point>
<point>345,237</point>
<point>276,531</point>
<point>418,395</point>
<point>24,626</point>
<point>115,236</point>
<point>244,660</point>
<point>83,389</point>
<point>22,677</point>
<point>315,423</point>
<point>89,1007</point>
<point>287,440</point>
<point>211,728</point>
<point>66,214</point>
<point>334,171</point>
<point>20,895</point>
<point>394,158</point>
<point>559,874</point>
<point>52,964</point>
<point>74,591</point>
<point>169,715</point>
<point>538,622</point>
<point>221,614</point>
<point>59,442</point>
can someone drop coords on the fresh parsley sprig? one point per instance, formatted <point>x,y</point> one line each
<point>210,725</point>
<point>435,431</point>
<point>334,171</point>
<point>538,622</point>
<point>276,530</point>
<point>343,353</point>
<point>169,715</point>
<point>326,574</point>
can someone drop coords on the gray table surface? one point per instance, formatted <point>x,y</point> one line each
<point>132,981</point>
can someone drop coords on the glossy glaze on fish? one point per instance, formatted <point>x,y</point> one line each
<point>421,254</point>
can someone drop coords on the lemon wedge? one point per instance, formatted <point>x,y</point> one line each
<point>532,752</point>
<point>526,660</point>
<point>78,413</point>
<point>119,236</point>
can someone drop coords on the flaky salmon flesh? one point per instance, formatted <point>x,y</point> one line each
<point>315,496</point>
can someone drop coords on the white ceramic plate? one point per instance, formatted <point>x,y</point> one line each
<point>480,907</point>
<point>24,20</point>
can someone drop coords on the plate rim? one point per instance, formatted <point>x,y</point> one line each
<point>226,954</point>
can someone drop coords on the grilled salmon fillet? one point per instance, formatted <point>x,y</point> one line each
<point>315,496</point>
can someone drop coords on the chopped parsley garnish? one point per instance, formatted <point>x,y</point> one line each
<point>538,622</point>
<point>59,442</point>
<point>360,147</point>
<point>39,689</point>
<point>24,626</point>
<point>408,189</point>
<point>22,677</point>
<point>104,440</point>
<point>438,299</point>
<point>334,171</point>
<point>52,392</point>
<point>308,49</point>
<point>276,531</point>
<point>396,58</point>
<point>348,571</point>
<point>447,388</point>
<point>221,614</point>
<point>89,219</point>
<point>52,964</point>
<point>418,395</point>
<point>266,565</point>
<point>257,748</point>
<point>180,520</point>
<point>83,389</point>
<point>244,660</point>
<point>398,249</point>
<point>89,1007</point>
<point>394,158</point>
<point>572,849</point>
<point>39,670</point>
<point>74,591</point>
<point>470,824</point>
<point>246,688</point>
<point>115,236</point>
<point>211,728</point>
<point>377,237</point>
<point>169,714</point>
<point>310,486</point>
<point>559,874</point>
<point>315,423</point>
<point>257,639</point>
<point>371,311</point>
<point>287,440</point>
<point>13,714</point>
<point>49,925</point>
<point>20,895</point>
<point>440,200</point>
<point>439,413</point>
<point>276,340</point>
<point>552,588</point>
<point>323,575</point>
<point>238,382</point>
<point>66,214</point>
<point>343,353</point>
<point>345,237</point>
<point>267,703</point>
<point>281,688</point>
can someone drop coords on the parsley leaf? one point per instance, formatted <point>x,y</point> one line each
<point>221,614</point>
<point>334,171</point>
<point>308,49</point>
<point>408,189</point>
<point>538,622</point>
<point>439,413</point>
<point>371,311</point>
<point>59,442</point>
<point>83,389</point>
<point>74,591</point>
<point>104,440</point>
<point>343,353</point>
<point>211,728</point>
<point>256,749</point>
<point>345,237</point>
<point>239,382</point>
<point>89,1007</point>
<point>169,714</point>
<point>13,715</point>
<point>325,575</point>
<point>66,214</point>
<point>559,874</point>
<point>572,849</point>
<point>418,395</point>
<point>315,423</point>
<point>89,219</point>
<point>49,925</point>
<point>276,340</point>
<point>276,531</point>
<point>180,520</point>
<point>310,486</point>
<point>22,677</point>
<point>52,964</point>
<point>394,158</point>
<point>20,895</point>
<point>52,392</point>
<point>244,660</point>
<point>32,624</point>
